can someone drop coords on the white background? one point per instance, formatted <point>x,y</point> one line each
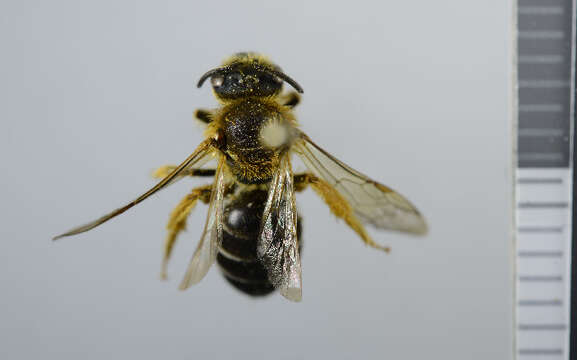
<point>94,95</point>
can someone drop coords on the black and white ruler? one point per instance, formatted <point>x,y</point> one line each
<point>544,179</point>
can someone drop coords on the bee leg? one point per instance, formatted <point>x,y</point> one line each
<point>339,206</point>
<point>163,171</point>
<point>202,115</point>
<point>177,221</point>
<point>302,181</point>
<point>291,99</point>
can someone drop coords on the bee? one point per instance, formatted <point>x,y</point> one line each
<point>252,227</point>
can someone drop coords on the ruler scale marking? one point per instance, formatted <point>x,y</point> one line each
<point>544,178</point>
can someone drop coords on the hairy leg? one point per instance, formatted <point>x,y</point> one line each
<point>202,115</point>
<point>177,221</point>
<point>338,205</point>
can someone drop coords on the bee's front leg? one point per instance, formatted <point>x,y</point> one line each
<point>204,116</point>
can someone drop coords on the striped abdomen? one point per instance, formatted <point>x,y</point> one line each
<point>237,255</point>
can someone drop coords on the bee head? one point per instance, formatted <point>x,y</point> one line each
<point>247,74</point>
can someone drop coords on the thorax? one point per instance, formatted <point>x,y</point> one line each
<point>256,131</point>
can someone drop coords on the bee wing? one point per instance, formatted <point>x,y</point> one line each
<point>206,250</point>
<point>372,202</point>
<point>201,154</point>
<point>277,246</point>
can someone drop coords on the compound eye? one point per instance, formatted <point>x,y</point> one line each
<point>217,80</point>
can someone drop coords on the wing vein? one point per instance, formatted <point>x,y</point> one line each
<point>204,149</point>
<point>371,201</point>
<point>207,248</point>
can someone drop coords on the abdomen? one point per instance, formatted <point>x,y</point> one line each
<point>237,257</point>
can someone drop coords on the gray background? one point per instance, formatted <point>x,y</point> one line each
<point>94,95</point>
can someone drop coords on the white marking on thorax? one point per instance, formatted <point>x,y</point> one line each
<point>274,133</point>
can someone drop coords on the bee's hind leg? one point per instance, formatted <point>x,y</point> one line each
<point>302,181</point>
<point>177,221</point>
<point>339,206</point>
